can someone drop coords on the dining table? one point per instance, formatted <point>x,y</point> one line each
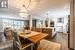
<point>33,36</point>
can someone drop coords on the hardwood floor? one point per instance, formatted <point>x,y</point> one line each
<point>62,39</point>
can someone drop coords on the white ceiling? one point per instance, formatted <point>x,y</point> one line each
<point>41,7</point>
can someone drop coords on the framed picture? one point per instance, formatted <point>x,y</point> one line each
<point>60,20</point>
<point>3,3</point>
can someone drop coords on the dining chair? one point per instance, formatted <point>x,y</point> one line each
<point>19,45</point>
<point>38,29</point>
<point>8,33</point>
<point>33,29</point>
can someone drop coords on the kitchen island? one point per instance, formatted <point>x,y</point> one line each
<point>49,30</point>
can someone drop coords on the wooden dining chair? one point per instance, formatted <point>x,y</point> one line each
<point>8,33</point>
<point>19,45</point>
<point>33,29</point>
<point>38,29</point>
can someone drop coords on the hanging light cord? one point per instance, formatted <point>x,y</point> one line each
<point>28,5</point>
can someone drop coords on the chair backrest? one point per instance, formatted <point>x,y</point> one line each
<point>33,29</point>
<point>16,39</point>
<point>38,29</point>
<point>8,33</point>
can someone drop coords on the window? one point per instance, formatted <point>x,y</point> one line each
<point>18,24</point>
<point>14,24</point>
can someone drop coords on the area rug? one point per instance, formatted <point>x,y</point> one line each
<point>48,45</point>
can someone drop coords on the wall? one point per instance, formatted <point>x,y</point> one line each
<point>61,27</point>
<point>11,15</point>
<point>72,25</point>
<point>38,24</point>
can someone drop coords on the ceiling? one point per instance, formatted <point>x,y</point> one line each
<point>37,7</point>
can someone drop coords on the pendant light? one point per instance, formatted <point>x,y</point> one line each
<point>24,11</point>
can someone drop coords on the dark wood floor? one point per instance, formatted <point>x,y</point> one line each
<point>62,39</point>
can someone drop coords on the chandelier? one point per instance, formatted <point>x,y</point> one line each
<point>24,11</point>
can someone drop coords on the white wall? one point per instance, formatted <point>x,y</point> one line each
<point>61,27</point>
<point>38,24</point>
<point>72,25</point>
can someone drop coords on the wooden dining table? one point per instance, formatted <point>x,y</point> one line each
<point>34,37</point>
